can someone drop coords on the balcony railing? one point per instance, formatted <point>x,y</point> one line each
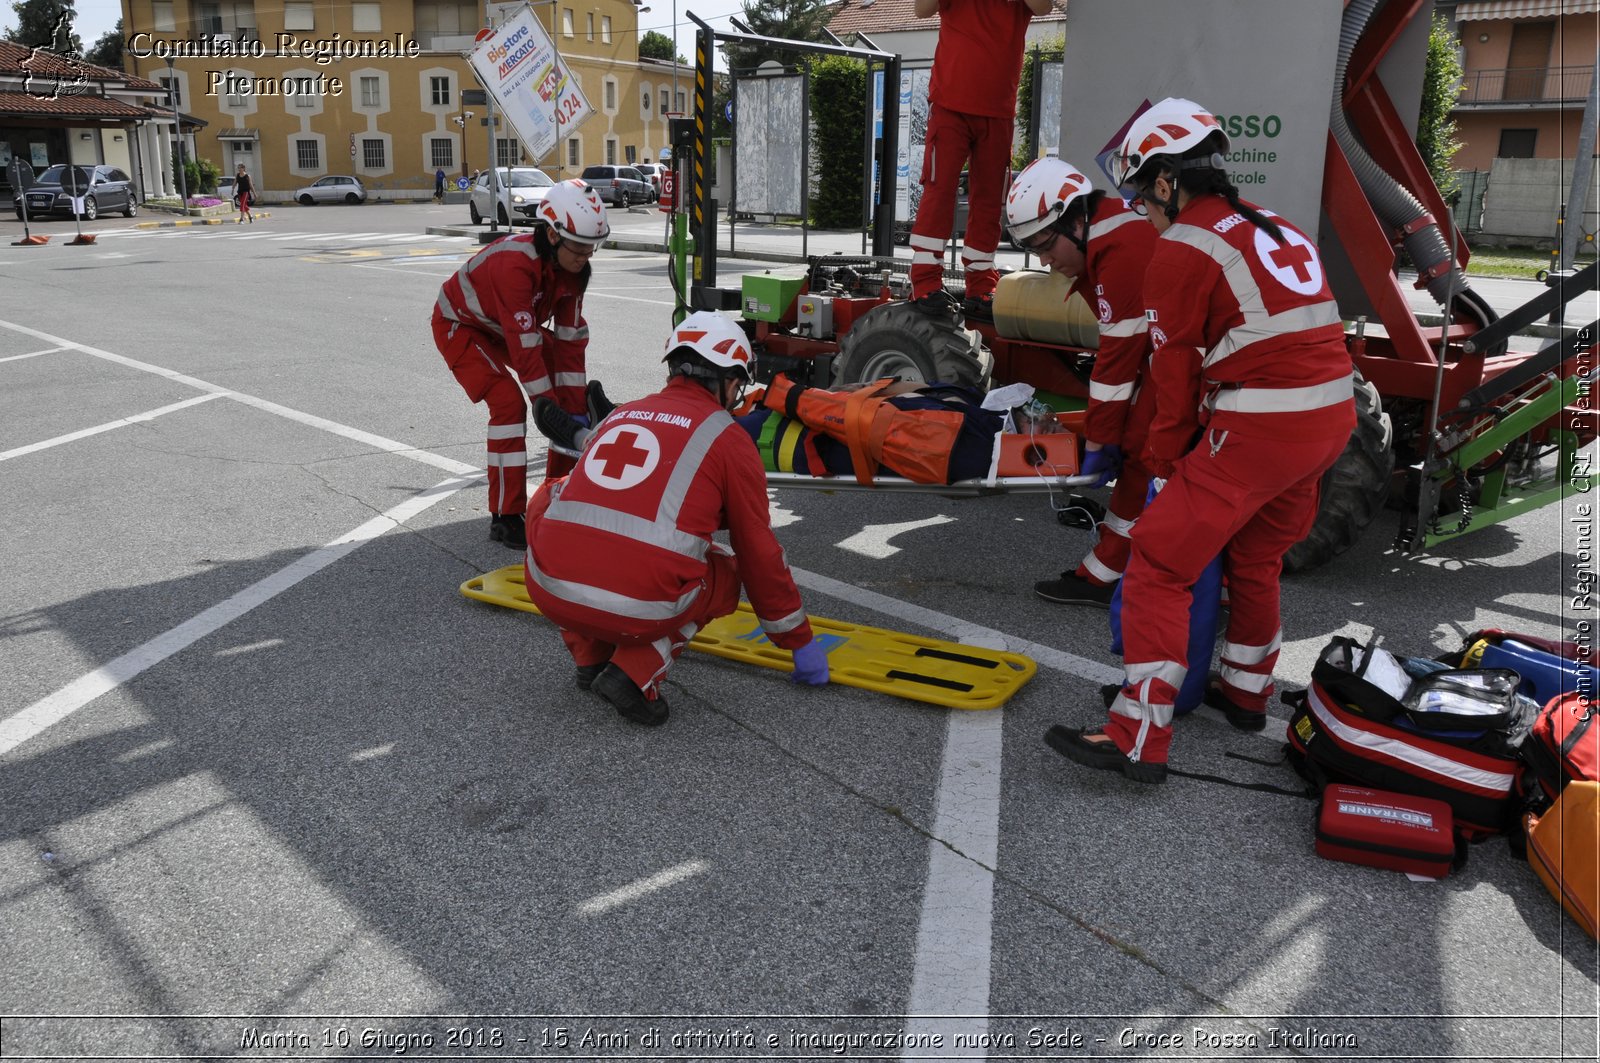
<point>1526,86</point>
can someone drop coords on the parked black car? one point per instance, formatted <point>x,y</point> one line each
<point>103,188</point>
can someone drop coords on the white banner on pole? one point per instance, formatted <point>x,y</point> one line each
<point>519,66</point>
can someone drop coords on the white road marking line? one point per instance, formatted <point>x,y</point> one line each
<point>35,354</point>
<point>629,298</point>
<point>53,708</point>
<point>634,890</point>
<point>950,971</point>
<point>121,422</point>
<point>377,442</point>
<point>407,272</point>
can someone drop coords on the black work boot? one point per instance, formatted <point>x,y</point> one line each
<point>978,307</point>
<point>1078,746</point>
<point>595,401</point>
<point>558,426</point>
<point>614,685</point>
<point>586,674</point>
<point>938,303</point>
<point>508,528</point>
<point>1073,589</point>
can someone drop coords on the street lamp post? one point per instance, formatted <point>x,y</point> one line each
<point>461,120</point>
<point>177,128</point>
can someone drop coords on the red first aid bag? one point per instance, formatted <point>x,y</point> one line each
<point>1377,828</point>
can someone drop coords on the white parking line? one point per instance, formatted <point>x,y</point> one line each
<point>121,422</point>
<point>53,708</point>
<point>377,442</point>
<point>35,354</point>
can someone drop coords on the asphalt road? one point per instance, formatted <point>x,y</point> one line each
<point>271,787</point>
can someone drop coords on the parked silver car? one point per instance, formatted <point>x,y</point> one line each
<point>332,189</point>
<point>522,189</point>
<point>103,189</point>
<point>620,186</point>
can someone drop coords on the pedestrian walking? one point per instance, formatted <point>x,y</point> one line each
<point>244,191</point>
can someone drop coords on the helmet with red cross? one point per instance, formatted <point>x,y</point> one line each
<point>1169,128</point>
<point>1041,194</point>
<point>709,344</point>
<point>574,211</point>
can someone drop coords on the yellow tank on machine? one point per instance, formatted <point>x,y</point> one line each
<point>1035,305</point>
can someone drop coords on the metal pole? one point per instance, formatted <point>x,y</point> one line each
<point>177,128</point>
<point>1582,172</point>
<point>805,158</point>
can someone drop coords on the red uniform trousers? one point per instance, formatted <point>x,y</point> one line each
<point>952,139</point>
<point>1251,496</point>
<point>1106,562</point>
<point>645,660</point>
<point>478,362</point>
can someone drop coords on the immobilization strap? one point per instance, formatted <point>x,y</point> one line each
<point>860,411</point>
<point>890,662</point>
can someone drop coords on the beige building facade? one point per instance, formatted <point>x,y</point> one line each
<point>299,89</point>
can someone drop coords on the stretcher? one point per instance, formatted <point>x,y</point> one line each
<point>868,658</point>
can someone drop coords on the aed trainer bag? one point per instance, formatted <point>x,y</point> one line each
<point>1564,746</point>
<point>1393,831</point>
<point>1331,742</point>
<point>1562,850</point>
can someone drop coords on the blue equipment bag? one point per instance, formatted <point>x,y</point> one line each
<point>1545,676</point>
<point>1203,612</point>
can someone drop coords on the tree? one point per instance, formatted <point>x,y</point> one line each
<point>791,20</point>
<point>839,115</point>
<point>107,51</point>
<point>655,45</point>
<point>1436,130</point>
<point>46,24</point>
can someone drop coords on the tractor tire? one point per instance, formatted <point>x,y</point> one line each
<point>1354,489</point>
<point>897,339</point>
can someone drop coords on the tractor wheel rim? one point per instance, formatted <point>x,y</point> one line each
<point>891,363</point>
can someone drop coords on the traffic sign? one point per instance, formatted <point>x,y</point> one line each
<point>463,184</point>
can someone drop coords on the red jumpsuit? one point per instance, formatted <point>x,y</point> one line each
<point>1250,370</point>
<point>620,554</point>
<point>972,107</point>
<point>511,322</point>
<point>1120,245</point>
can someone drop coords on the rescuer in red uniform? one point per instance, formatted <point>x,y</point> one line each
<point>511,322</point>
<point>1253,403</point>
<point>972,112</point>
<point>1055,213</point>
<point>620,554</point>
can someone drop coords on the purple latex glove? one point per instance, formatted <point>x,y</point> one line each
<point>1107,462</point>
<point>810,665</point>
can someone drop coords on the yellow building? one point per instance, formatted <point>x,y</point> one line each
<point>302,88</point>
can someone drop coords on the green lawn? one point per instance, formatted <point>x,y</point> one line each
<point>1515,262</point>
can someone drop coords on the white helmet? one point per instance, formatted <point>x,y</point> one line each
<point>716,338</point>
<point>575,212</point>
<point>1170,127</point>
<point>1041,194</point>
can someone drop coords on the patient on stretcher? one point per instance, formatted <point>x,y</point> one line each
<point>925,433</point>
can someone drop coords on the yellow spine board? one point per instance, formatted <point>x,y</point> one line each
<point>868,658</point>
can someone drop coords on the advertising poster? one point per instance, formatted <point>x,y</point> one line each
<point>519,66</point>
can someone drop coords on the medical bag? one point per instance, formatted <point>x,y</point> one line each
<point>1388,830</point>
<point>1562,850</point>
<point>1563,747</point>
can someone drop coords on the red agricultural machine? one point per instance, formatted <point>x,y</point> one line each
<point>1473,431</point>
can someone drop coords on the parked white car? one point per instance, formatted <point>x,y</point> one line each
<point>522,189</point>
<point>332,189</point>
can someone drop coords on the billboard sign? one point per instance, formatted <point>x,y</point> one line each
<point>519,66</point>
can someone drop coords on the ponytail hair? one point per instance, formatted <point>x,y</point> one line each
<point>1201,174</point>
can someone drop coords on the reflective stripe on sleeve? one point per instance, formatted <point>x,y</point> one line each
<point>784,624</point>
<point>536,386</point>
<point>530,340</point>
<point>1110,392</point>
<point>567,332</point>
<point>1128,326</point>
